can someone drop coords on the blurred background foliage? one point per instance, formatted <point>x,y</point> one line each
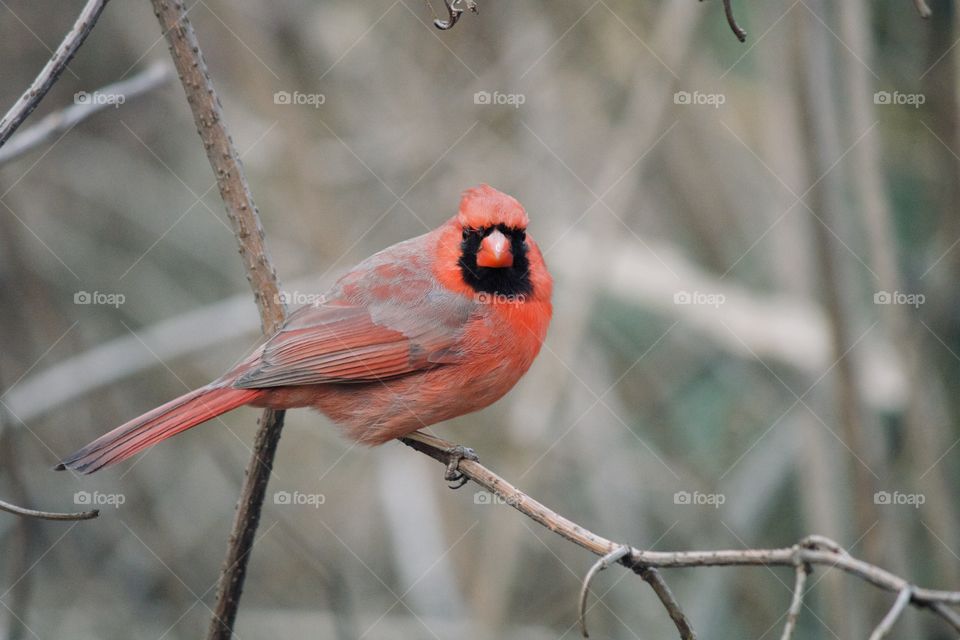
<point>787,390</point>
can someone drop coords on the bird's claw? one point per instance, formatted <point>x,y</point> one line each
<point>453,475</point>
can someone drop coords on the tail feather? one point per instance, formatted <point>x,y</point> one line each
<point>163,422</point>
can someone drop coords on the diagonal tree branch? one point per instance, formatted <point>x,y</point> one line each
<point>811,551</point>
<point>52,70</point>
<point>245,219</point>
<point>61,121</point>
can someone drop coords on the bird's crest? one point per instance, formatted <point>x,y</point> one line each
<point>483,206</point>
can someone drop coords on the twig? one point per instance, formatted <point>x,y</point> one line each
<point>813,550</point>
<point>653,577</point>
<point>816,541</point>
<point>52,70</point>
<point>597,567</point>
<point>245,219</point>
<point>948,614</point>
<point>732,21</point>
<point>454,11</point>
<point>891,618</point>
<point>60,121</point>
<point>793,614</point>
<point>47,515</point>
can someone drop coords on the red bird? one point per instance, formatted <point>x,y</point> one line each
<point>426,330</point>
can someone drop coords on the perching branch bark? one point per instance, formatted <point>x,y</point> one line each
<point>812,551</point>
<point>245,220</point>
<point>47,515</point>
<point>52,70</point>
<point>60,121</point>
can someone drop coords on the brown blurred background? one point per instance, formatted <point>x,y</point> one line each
<point>756,314</point>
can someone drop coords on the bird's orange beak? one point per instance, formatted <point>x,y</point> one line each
<point>495,251</point>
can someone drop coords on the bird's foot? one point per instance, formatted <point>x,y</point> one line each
<point>453,475</point>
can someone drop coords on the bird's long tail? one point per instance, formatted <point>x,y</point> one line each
<point>164,422</point>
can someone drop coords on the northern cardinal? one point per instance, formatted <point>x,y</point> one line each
<point>426,330</point>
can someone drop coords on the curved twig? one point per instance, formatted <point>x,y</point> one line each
<point>453,13</point>
<point>60,121</point>
<point>732,21</point>
<point>47,515</point>
<point>813,550</point>
<point>597,567</point>
<point>817,541</point>
<point>52,70</point>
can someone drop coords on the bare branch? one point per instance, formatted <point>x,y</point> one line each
<point>732,21</point>
<point>245,219</point>
<point>597,567</point>
<point>47,515</point>
<point>660,587</point>
<point>52,70</point>
<point>60,121</point>
<point>793,614</point>
<point>948,614</point>
<point>813,550</point>
<point>891,618</point>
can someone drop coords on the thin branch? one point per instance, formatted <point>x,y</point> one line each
<point>793,614</point>
<point>60,121</point>
<point>814,550</point>
<point>52,70</point>
<point>597,567</point>
<point>653,577</point>
<point>732,21</point>
<point>245,219</point>
<point>891,618</point>
<point>47,515</point>
<point>944,611</point>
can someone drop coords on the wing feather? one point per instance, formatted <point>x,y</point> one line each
<point>377,323</point>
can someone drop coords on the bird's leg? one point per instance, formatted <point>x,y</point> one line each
<point>453,474</point>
